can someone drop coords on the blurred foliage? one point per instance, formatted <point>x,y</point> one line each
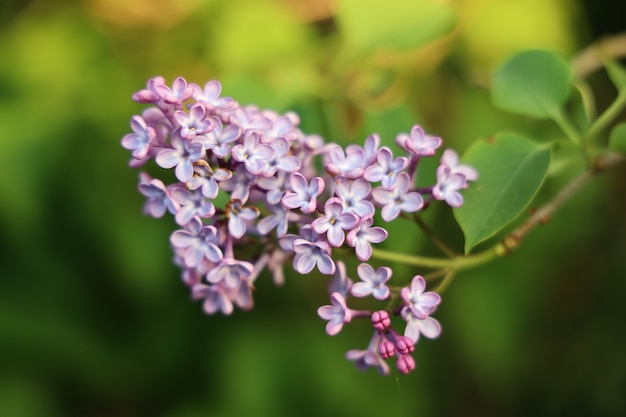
<point>93,318</point>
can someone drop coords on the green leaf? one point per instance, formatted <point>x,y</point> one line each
<point>400,24</point>
<point>617,139</point>
<point>511,169</point>
<point>533,83</point>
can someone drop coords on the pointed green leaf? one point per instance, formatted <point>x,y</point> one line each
<point>533,83</point>
<point>617,139</point>
<point>511,169</point>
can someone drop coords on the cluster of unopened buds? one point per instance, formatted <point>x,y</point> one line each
<point>244,186</point>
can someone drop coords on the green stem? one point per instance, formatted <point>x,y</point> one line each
<point>608,116</point>
<point>456,263</point>
<point>447,280</point>
<point>566,126</point>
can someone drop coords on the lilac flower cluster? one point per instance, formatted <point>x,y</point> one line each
<point>244,189</point>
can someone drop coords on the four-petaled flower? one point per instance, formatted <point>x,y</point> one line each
<point>159,200</point>
<point>369,357</point>
<point>421,303</point>
<point>347,166</point>
<point>303,195</point>
<point>230,272</point>
<point>363,235</point>
<point>179,92</point>
<point>207,179</point>
<point>337,314</point>
<point>139,142</point>
<point>448,184</point>
<point>334,222</point>
<point>197,242</point>
<point>237,216</point>
<point>398,199</point>
<point>387,169</point>
<point>418,143</point>
<point>372,282</point>
<point>309,254</point>
<point>210,96</point>
<point>193,123</point>
<point>182,155</point>
<point>252,153</point>
<point>354,196</point>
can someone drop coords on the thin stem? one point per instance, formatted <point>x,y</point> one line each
<point>456,263</point>
<point>431,235</point>
<point>608,116</point>
<point>447,280</point>
<point>545,212</point>
<point>566,126</point>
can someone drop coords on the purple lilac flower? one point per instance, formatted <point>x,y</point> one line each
<point>354,196</point>
<point>418,143</point>
<point>215,298</point>
<point>182,156</point>
<point>198,242</point>
<point>252,153</point>
<point>369,149</point>
<point>363,235</point>
<point>310,254</point>
<point>334,222</point>
<point>206,179</point>
<point>372,282</point>
<point>398,199</point>
<point>242,295</point>
<point>337,314</point>
<point>193,123</point>
<point>340,164</point>
<point>428,326</point>
<point>237,217</point>
<point>149,95</point>
<point>192,203</point>
<point>250,119</point>
<point>450,159</point>
<point>281,160</point>
<point>230,272</point>
<point>139,142</point>
<point>387,169</point>
<point>219,140</point>
<point>279,219</point>
<point>239,184</point>
<point>340,282</point>
<point>369,357</point>
<point>158,196</point>
<point>421,303</point>
<point>304,195</point>
<point>447,186</point>
<point>179,92</point>
<point>275,186</point>
<point>210,97</point>
<point>281,127</point>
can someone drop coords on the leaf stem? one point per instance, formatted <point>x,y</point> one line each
<point>566,126</point>
<point>609,114</point>
<point>455,263</point>
<point>544,213</point>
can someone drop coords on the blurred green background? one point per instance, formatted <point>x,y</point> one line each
<point>94,320</point>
